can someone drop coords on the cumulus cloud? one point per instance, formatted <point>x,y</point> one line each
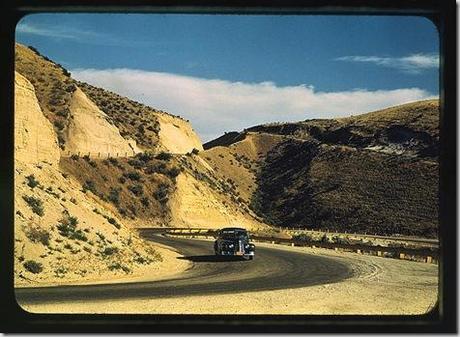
<point>412,64</point>
<point>214,106</point>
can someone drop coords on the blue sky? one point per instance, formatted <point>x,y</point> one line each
<point>300,66</point>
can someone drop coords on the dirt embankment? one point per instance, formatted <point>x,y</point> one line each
<point>90,133</point>
<point>35,140</point>
<point>195,204</point>
<point>177,135</point>
<point>61,233</point>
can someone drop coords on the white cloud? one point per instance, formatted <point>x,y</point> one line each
<point>215,106</point>
<point>55,31</point>
<point>412,64</point>
<point>59,32</point>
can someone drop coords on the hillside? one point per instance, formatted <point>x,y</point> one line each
<point>57,226</point>
<point>411,129</point>
<point>134,126</point>
<point>373,173</point>
<point>91,166</point>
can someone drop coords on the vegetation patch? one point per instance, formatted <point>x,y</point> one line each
<point>38,235</point>
<point>67,227</point>
<point>32,182</point>
<point>35,204</point>
<point>33,266</point>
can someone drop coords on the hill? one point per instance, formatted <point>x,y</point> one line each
<point>91,166</point>
<point>132,126</point>
<point>373,173</point>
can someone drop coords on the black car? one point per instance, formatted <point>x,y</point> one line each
<point>234,242</point>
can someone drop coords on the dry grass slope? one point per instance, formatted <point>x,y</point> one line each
<point>136,189</point>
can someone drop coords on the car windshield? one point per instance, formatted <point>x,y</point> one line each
<point>233,235</point>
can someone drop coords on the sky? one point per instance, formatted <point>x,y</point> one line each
<point>229,72</point>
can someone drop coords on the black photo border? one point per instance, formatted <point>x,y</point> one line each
<point>443,318</point>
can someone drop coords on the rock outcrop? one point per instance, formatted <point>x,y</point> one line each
<point>91,133</point>
<point>177,135</point>
<point>34,138</point>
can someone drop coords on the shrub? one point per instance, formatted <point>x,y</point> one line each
<point>145,156</point>
<point>59,125</point>
<point>33,266</point>
<point>164,156</point>
<point>34,50</point>
<point>122,180</point>
<point>174,172</point>
<point>114,195</point>
<point>89,185</point>
<point>136,163</point>
<point>137,189</point>
<point>74,157</point>
<point>35,204</point>
<point>66,72</point>
<point>303,237</point>
<point>162,194</point>
<point>71,88</point>
<point>67,227</point>
<point>101,236</point>
<point>63,113</point>
<point>195,151</point>
<point>156,168</point>
<point>38,235</point>
<point>145,201</point>
<point>113,222</point>
<point>135,176</point>
<point>86,157</point>
<point>31,181</point>
<point>108,251</point>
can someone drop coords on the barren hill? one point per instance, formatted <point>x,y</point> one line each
<point>374,173</point>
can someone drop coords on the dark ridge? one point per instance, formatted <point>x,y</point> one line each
<point>225,140</point>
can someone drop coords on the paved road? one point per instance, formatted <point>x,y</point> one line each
<point>271,269</point>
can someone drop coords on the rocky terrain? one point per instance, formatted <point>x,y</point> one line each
<point>91,166</point>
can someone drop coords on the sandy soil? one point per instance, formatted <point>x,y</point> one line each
<point>380,286</point>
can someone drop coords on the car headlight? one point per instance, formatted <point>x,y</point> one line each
<point>230,245</point>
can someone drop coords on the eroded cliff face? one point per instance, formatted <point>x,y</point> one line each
<point>34,138</point>
<point>91,133</point>
<point>177,136</point>
<point>61,230</point>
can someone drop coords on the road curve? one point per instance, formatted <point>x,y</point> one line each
<point>271,269</point>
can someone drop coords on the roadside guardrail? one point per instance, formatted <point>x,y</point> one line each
<point>428,254</point>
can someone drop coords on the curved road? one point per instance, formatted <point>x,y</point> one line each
<point>271,269</point>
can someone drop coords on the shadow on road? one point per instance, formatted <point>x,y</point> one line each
<point>212,258</point>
